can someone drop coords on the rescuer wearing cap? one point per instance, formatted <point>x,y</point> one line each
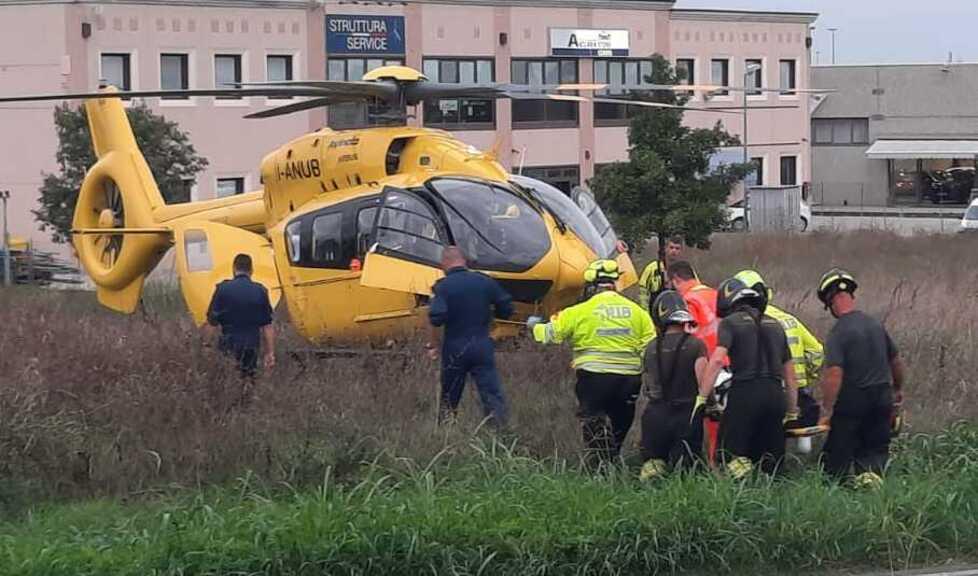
<point>806,350</point>
<point>752,429</point>
<point>672,424</point>
<point>608,333</point>
<point>862,385</point>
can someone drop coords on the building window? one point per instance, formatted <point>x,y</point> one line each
<point>230,186</point>
<point>564,178</point>
<point>278,68</point>
<point>788,77</point>
<point>755,80</point>
<point>840,131</point>
<point>720,74</point>
<point>116,71</point>
<point>756,178</point>
<point>789,170</point>
<point>544,113</point>
<point>459,112</point>
<point>175,73</point>
<point>227,73</point>
<point>355,114</point>
<point>618,73</point>
<point>686,71</point>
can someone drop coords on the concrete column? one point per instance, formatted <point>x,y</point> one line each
<point>585,74</point>
<point>414,50</point>
<point>74,66</point>
<point>316,58</point>
<point>504,106</point>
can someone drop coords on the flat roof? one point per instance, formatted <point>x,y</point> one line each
<point>743,15</point>
<point>893,65</point>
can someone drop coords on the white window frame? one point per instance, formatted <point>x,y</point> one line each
<point>133,69</point>
<point>296,74</point>
<point>242,102</point>
<point>765,167</point>
<point>765,79</point>
<point>227,176</point>
<point>790,97</point>
<point>191,101</point>
<point>695,96</point>
<point>731,76</point>
<point>798,166</point>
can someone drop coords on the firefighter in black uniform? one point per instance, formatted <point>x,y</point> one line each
<point>672,424</point>
<point>763,398</point>
<point>862,383</point>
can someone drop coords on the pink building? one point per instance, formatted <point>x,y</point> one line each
<point>50,46</point>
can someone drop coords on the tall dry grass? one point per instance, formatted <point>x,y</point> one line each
<point>96,403</point>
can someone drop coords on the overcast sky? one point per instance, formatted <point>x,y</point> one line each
<point>873,31</point>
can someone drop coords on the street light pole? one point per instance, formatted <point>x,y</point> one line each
<point>748,71</point>
<point>833,31</point>
<point>7,280</point>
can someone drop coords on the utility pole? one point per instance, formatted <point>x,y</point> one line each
<point>833,31</point>
<point>7,279</point>
<point>748,71</point>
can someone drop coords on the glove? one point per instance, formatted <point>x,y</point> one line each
<point>700,403</point>
<point>533,321</point>
<point>791,420</point>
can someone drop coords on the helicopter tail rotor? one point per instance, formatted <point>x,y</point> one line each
<point>114,233</point>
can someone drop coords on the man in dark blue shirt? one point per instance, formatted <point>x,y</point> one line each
<point>464,302</point>
<point>242,309</point>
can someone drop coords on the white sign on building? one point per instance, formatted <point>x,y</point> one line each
<point>583,42</point>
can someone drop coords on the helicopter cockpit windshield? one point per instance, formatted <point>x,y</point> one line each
<point>585,200</point>
<point>496,229</point>
<point>565,209</point>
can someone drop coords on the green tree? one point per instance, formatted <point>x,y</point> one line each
<point>666,187</point>
<point>171,157</point>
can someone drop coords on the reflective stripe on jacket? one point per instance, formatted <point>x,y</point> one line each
<point>651,283</point>
<point>608,332</point>
<point>806,350</point>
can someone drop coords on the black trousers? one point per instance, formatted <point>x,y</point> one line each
<point>860,433</point>
<point>808,408</point>
<point>672,433</point>
<point>753,423</point>
<point>603,398</point>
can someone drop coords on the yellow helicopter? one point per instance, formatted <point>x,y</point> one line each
<point>350,225</point>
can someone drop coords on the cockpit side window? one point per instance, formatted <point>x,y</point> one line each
<point>408,226</point>
<point>585,200</point>
<point>495,228</point>
<point>565,209</point>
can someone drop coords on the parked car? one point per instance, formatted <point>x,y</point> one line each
<point>737,223</point>
<point>969,223</point>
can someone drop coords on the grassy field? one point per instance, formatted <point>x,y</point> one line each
<point>124,442</point>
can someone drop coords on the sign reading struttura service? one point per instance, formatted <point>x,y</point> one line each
<point>588,43</point>
<point>366,34</point>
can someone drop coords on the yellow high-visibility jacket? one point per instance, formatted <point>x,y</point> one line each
<point>806,350</point>
<point>650,283</point>
<point>609,333</point>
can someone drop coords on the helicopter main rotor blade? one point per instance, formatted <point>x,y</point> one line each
<point>684,88</point>
<point>358,88</point>
<point>300,106</point>
<point>273,92</point>
<point>647,104</point>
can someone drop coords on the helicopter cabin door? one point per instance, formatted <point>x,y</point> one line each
<point>205,253</point>
<point>406,244</point>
